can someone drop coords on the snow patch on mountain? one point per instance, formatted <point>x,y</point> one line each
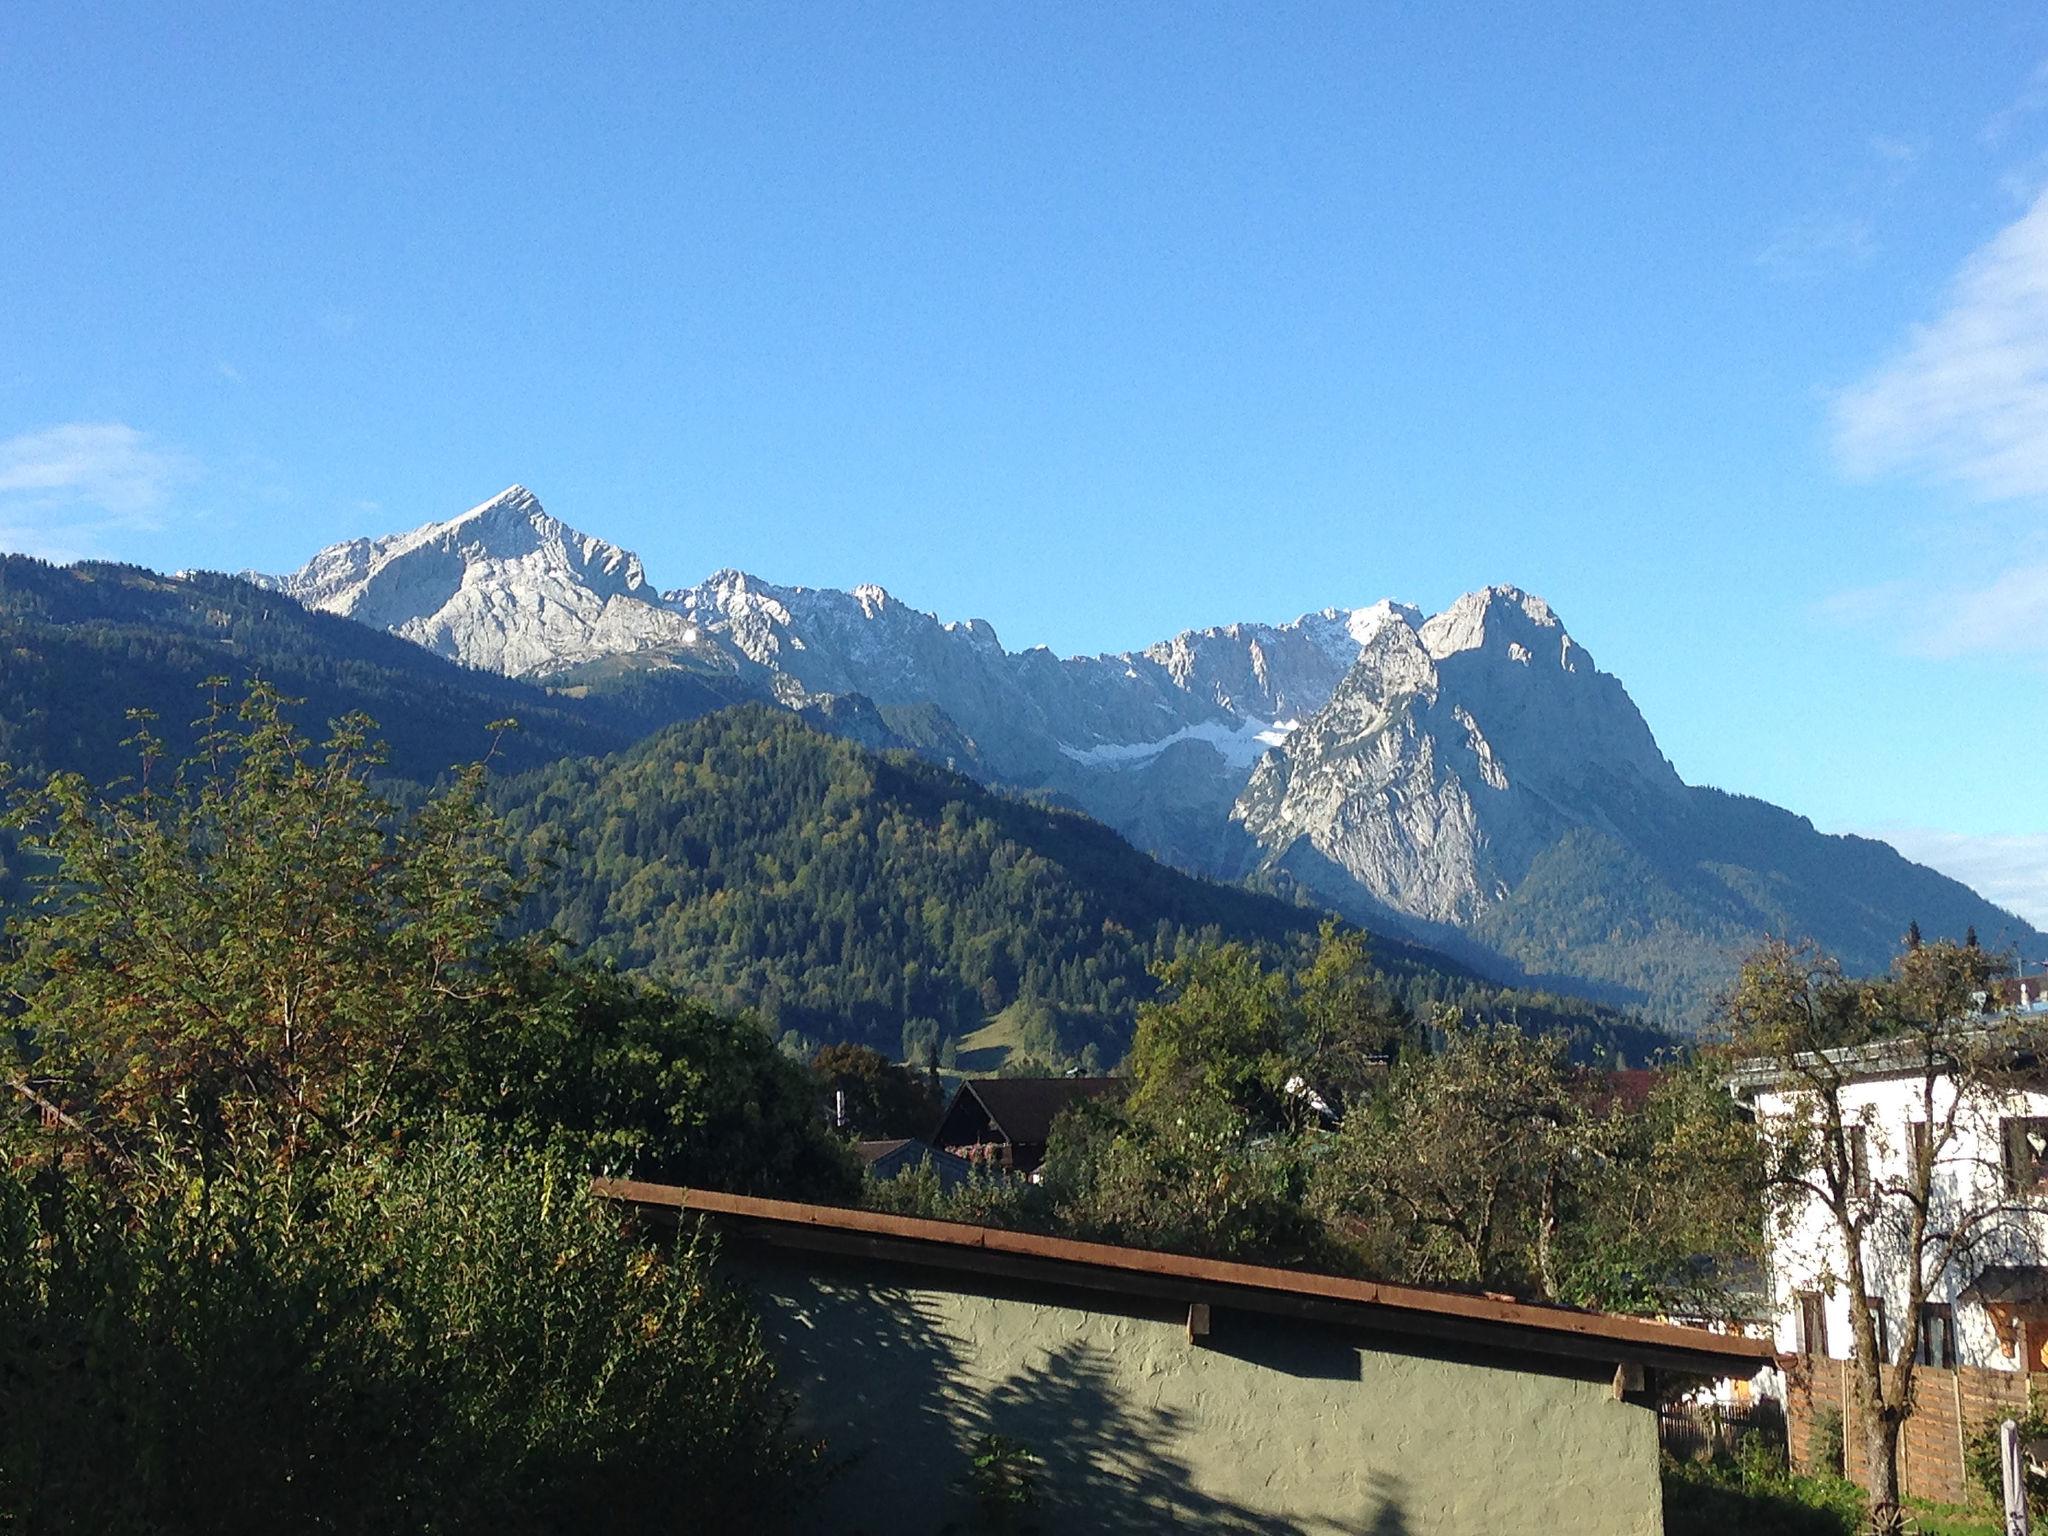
<point>1239,748</point>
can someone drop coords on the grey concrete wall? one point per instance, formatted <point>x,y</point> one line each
<point>1268,1425</point>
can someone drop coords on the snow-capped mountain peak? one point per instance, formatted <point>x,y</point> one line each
<point>503,586</point>
<point>1473,769</point>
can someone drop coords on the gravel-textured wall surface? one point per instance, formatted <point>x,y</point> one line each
<point>1267,1425</point>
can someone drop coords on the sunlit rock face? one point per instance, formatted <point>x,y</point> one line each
<point>504,587</point>
<point>509,588</point>
<point>1469,778</point>
<point>1454,752</point>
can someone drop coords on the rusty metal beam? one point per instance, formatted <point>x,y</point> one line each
<point>1450,1315</point>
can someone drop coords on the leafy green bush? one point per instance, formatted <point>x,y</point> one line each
<point>1003,1479</point>
<point>258,1272</point>
<point>453,1340</point>
<point>1830,1448</point>
<point>628,1079</point>
<point>1981,1456</point>
<point>1193,1177</point>
<point>989,1197</point>
<point>265,949</point>
<point>1755,1494</point>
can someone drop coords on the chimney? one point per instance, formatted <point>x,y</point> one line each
<point>839,1109</point>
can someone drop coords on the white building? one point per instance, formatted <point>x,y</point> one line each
<point>1987,1308</point>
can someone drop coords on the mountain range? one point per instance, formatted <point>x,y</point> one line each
<point>813,867</point>
<point>842,894</point>
<point>1470,778</point>
<point>88,644</point>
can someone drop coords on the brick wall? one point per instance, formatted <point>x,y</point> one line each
<point>1947,1406</point>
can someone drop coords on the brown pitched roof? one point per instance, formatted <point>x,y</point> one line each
<point>1024,1108</point>
<point>1623,1088</point>
<point>1513,1325</point>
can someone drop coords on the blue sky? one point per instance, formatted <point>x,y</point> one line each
<point>1724,328</point>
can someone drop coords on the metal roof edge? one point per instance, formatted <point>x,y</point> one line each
<point>1888,1056</point>
<point>1539,1325</point>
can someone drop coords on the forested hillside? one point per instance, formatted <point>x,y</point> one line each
<point>86,643</point>
<point>747,858</point>
<point>842,894</point>
<point>1668,920</point>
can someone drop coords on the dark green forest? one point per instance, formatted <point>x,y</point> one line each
<point>841,894</point>
<point>86,644</point>
<point>837,891</point>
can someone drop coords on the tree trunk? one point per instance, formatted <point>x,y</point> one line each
<point>1881,1459</point>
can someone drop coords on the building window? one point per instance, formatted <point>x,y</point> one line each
<point>1937,1336</point>
<point>1881,1331</point>
<point>1859,1161</point>
<point>1813,1324</point>
<point>2026,1155</point>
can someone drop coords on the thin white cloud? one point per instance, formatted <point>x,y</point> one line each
<point>1809,247</point>
<point>2031,99</point>
<point>106,465</point>
<point>1899,155</point>
<point>1966,399</point>
<point>2020,184</point>
<point>63,486</point>
<point>2010,870</point>
<point>2007,614</point>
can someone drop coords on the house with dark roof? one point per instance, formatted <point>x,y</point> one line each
<point>885,1159</point>
<point>1006,1121</point>
<point>1156,1391</point>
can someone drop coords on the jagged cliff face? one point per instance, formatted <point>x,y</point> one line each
<point>508,588</point>
<point>1231,692</point>
<point>504,587</point>
<point>1453,753</point>
<point>1472,776</point>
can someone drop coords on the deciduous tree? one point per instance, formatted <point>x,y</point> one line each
<point>881,1098</point>
<point>1899,1207</point>
<point>255,944</point>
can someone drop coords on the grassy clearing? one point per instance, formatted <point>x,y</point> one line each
<point>1953,1519</point>
<point>983,1053</point>
<point>1000,1042</point>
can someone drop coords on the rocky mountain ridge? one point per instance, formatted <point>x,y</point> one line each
<point>1471,777</point>
<point>503,587</point>
<point>1455,751</point>
<point>508,588</point>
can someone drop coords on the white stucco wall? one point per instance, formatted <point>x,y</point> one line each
<point>1806,1252</point>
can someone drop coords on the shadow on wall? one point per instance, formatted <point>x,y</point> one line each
<point>896,1397</point>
